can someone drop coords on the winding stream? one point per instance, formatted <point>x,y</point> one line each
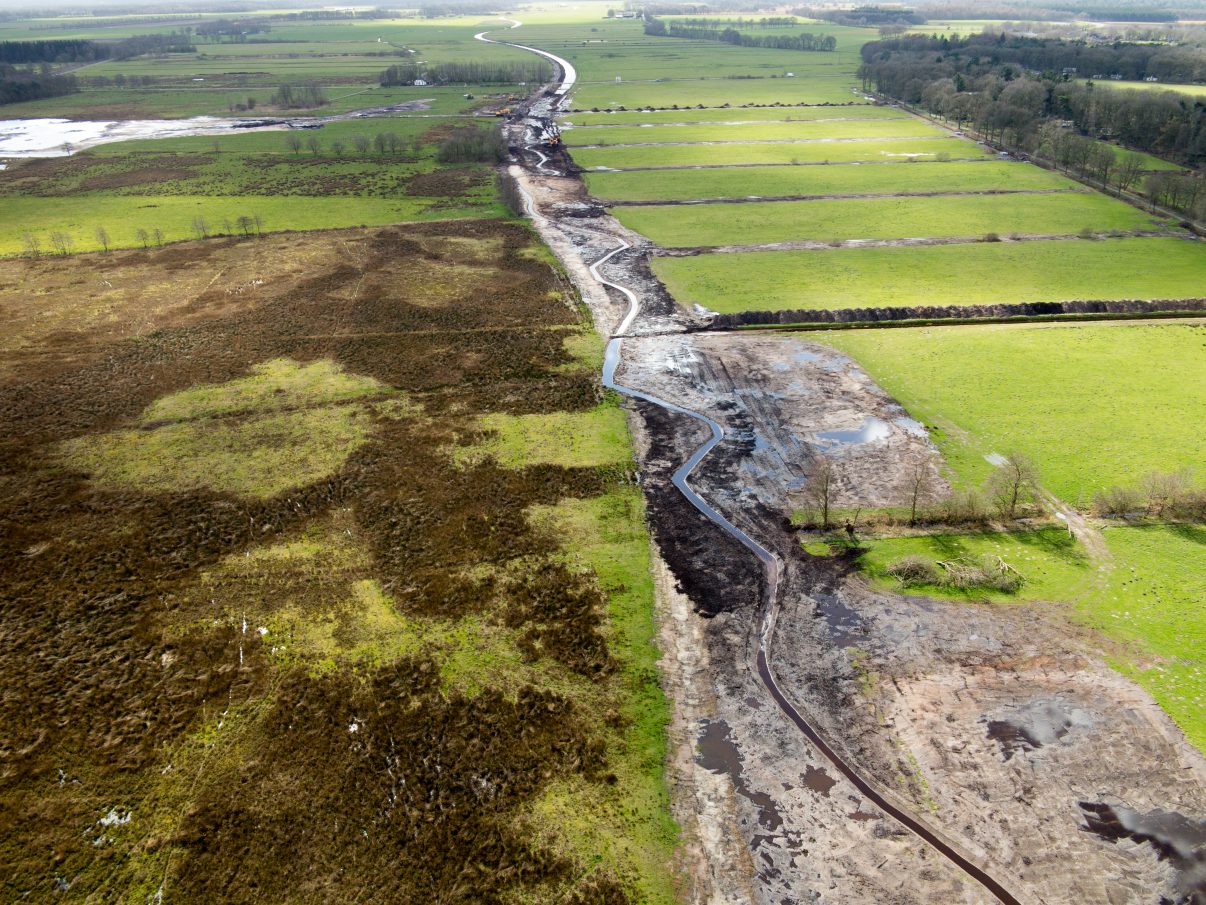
<point>769,560</point>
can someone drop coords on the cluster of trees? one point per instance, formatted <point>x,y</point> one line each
<point>18,85</point>
<point>471,144</point>
<point>967,83</point>
<point>465,73</point>
<point>232,31</point>
<point>298,97</point>
<point>384,143</point>
<point>739,22</point>
<point>84,51</point>
<point>461,8</point>
<point>1160,494</point>
<point>1121,11</point>
<point>803,41</point>
<point>866,16</point>
<point>1185,192</point>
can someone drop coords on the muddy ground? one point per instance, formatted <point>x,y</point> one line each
<point>1003,730</point>
<point>158,740</point>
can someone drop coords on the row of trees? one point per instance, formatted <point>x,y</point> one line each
<point>1159,494</point>
<point>18,85</point>
<point>803,41</point>
<point>61,243</point>
<point>471,144</point>
<point>465,73</point>
<point>384,143</point>
<point>299,97</point>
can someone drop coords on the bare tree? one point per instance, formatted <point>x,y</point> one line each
<point>227,228</point>
<point>921,489</point>
<point>158,234</point>
<point>293,142</point>
<point>102,238</point>
<point>314,145</point>
<point>381,142</point>
<point>33,245</point>
<point>61,242</point>
<point>1165,490</point>
<point>1014,482</point>
<point>820,488</point>
<point>259,225</point>
<point>200,228</point>
<point>1130,165</point>
<point>245,225</point>
<point>361,142</point>
<point>337,148</point>
<point>143,237</point>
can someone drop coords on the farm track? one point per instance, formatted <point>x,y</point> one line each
<point>768,560</point>
<point>844,196</point>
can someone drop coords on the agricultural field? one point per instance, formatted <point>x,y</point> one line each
<point>1038,389</point>
<point>1146,596</point>
<point>368,550</point>
<point>1190,90</point>
<point>835,129</point>
<point>802,152</point>
<point>837,179</point>
<point>674,226</point>
<point>716,92</point>
<point>741,113</point>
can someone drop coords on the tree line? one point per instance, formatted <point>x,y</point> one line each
<point>1011,104</point>
<point>465,73</point>
<point>17,85</point>
<point>298,97</point>
<point>61,243</point>
<point>802,41</point>
<point>60,51</point>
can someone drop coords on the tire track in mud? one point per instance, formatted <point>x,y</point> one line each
<point>769,560</point>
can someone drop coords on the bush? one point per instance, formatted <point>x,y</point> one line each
<point>991,237</point>
<point>1114,502</point>
<point>471,144</point>
<point>914,570</point>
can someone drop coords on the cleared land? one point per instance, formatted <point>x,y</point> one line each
<point>983,273</point>
<point>1093,406</point>
<point>303,534</point>
<point>703,154</point>
<point>838,179</point>
<point>676,226</point>
<point>802,131</point>
<point>1148,596</point>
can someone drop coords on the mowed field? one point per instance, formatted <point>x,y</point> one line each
<point>837,179</point>
<point>754,131</point>
<point>871,150</point>
<point>325,571</point>
<point>982,273</point>
<point>676,226</point>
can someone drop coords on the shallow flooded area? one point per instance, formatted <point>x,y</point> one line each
<point>61,137</point>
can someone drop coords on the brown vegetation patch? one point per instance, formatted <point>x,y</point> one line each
<point>152,736</point>
<point>446,183</point>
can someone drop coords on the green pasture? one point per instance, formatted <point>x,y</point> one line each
<point>979,273</point>
<point>1157,87</point>
<point>1094,406</point>
<point>1150,161</point>
<point>79,216</point>
<point>804,152</point>
<point>1147,595</point>
<point>801,131</point>
<point>837,88</point>
<point>676,226</point>
<point>838,179</point>
<point>739,114</point>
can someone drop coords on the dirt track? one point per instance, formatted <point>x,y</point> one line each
<point>906,689</point>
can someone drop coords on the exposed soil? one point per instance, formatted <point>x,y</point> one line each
<point>153,742</point>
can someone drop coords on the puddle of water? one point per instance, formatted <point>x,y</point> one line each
<point>719,753</point>
<point>843,624</point>
<point>818,780</point>
<point>911,426</point>
<point>1035,725</point>
<point>1176,838</point>
<point>873,430</point>
<point>59,137</point>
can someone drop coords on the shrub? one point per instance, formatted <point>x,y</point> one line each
<point>1114,502</point>
<point>991,237</point>
<point>913,570</point>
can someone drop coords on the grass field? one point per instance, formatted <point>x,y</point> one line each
<point>735,114</point>
<point>1157,87</point>
<point>1093,406</point>
<point>1147,597</point>
<point>885,151</point>
<point>983,273</point>
<point>882,218</point>
<point>833,89</point>
<point>838,179</point>
<point>801,131</point>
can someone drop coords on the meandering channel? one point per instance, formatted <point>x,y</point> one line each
<point>769,560</point>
